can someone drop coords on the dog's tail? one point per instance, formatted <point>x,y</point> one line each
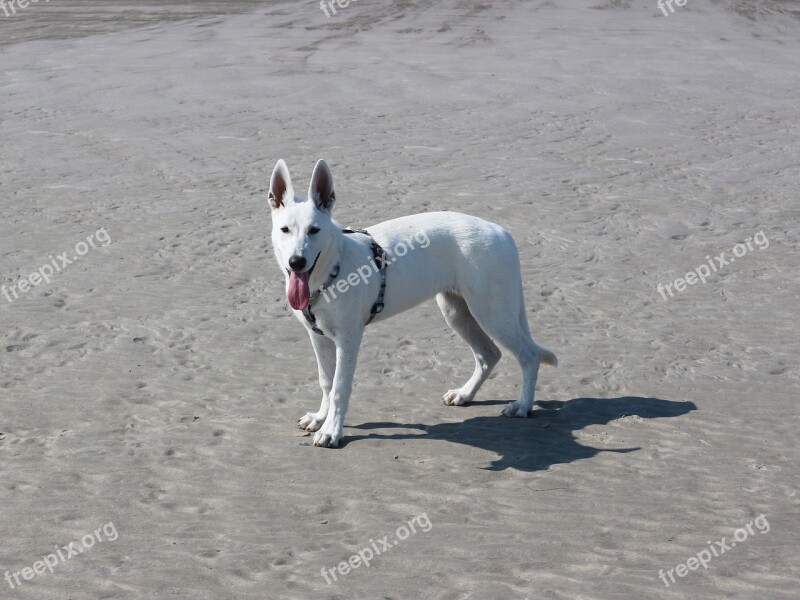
<point>546,356</point>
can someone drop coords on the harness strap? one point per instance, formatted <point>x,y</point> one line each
<point>379,258</point>
<point>307,310</point>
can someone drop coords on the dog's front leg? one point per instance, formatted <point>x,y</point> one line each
<point>325,351</point>
<point>346,357</point>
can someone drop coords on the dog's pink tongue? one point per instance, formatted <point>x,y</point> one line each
<point>298,294</point>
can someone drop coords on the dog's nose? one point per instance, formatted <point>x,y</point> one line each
<point>297,263</point>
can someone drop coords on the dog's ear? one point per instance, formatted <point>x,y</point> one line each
<point>321,189</point>
<point>280,186</point>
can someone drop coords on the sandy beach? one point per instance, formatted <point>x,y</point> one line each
<point>646,161</point>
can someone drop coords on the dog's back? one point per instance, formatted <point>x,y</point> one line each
<point>430,253</point>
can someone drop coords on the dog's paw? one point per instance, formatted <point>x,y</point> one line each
<point>310,421</point>
<point>454,398</point>
<point>326,440</point>
<point>513,409</point>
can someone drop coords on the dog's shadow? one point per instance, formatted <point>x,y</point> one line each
<point>537,443</point>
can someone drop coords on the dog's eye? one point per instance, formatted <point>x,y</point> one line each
<point>285,229</point>
<point>313,230</point>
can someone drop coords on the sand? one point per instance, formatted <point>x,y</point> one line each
<point>154,382</point>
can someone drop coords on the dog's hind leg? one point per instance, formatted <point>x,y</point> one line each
<point>505,321</point>
<point>325,351</point>
<point>529,359</point>
<point>485,351</point>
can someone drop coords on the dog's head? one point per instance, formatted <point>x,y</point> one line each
<point>302,229</point>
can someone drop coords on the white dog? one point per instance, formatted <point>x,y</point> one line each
<point>470,265</point>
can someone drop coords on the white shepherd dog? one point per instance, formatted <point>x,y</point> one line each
<point>338,281</point>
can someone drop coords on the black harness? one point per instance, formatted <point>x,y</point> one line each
<point>379,257</point>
